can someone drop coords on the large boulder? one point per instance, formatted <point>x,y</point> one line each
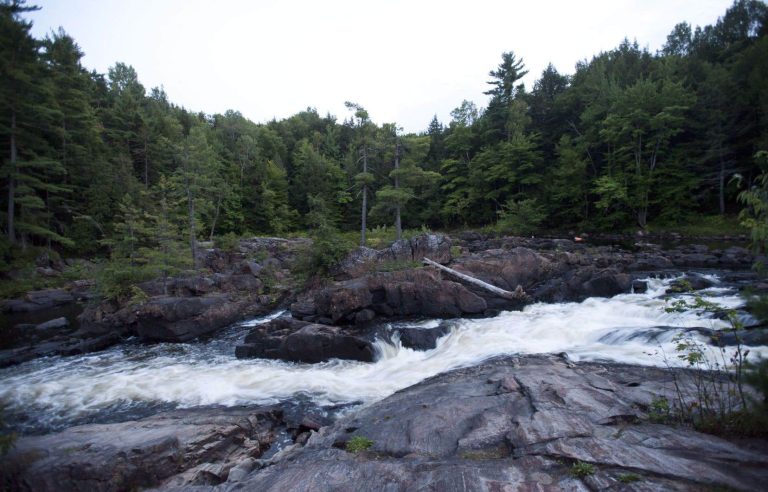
<point>299,341</point>
<point>507,269</point>
<point>39,300</point>
<point>580,283</point>
<point>184,447</point>
<point>343,299</point>
<point>518,423</point>
<point>181,319</point>
<point>420,337</point>
<point>423,292</point>
<point>412,292</point>
<point>363,260</point>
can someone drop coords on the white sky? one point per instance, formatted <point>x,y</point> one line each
<point>404,61</point>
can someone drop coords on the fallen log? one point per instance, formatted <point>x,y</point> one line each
<point>517,295</point>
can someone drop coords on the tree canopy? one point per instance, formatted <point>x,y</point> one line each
<point>97,164</point>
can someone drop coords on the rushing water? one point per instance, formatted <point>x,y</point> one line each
<point>132,379</point>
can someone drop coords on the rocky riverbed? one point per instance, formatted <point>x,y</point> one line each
<point>177,391</point>
<point>368,286</point>
<point>510,423</point>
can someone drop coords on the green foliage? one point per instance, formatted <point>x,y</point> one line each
<point>628,478</point>
<point>660,412</point>
<point>228,242</point>
<point>358,444</point>
<point>754,216</point>
<point>7,440</point>
<point>328,247</point>
<point>582,470</point>
<point>630,138</point>
<point>710,225</point>
<point>712,394</point>
<point>326,252</point>
<point>523,217</point>
<point>116,279</point>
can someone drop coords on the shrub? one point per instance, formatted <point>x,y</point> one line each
<point>628,478</point>
<point>328,248</point>
<point>660,411</point>
<point>358,444</point>
<point>116,280</point>
<point>581,469</point>
<point>712,395</point>
<point>521,217</point>
<point>229,242</point>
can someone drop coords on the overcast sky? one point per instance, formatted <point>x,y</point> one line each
<point>404,61</point>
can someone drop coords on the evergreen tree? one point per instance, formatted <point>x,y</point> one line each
<point>363,179</point>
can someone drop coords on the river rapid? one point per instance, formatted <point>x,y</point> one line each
<point>132,380</point>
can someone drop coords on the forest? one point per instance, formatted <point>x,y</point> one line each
<point>96,165</point>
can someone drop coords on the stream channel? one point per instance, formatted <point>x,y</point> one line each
<point>133,380</point>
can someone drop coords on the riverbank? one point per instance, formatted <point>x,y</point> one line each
<point>201,411</point>
<point>510,422</point>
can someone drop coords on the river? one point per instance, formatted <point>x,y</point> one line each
<point>133,380</point>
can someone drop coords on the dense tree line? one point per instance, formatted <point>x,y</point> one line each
<point>96,164</point>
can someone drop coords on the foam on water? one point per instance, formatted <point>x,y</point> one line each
<point>626,328</point>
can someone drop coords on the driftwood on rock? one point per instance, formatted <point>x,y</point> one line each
<point>518,294</point>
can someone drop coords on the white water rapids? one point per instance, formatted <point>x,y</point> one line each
<point>626,328</point>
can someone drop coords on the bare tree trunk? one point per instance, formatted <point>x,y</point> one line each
<point>517,294</point>
<point>190,208</point>
<point>146,164</point>
<point>398,222</point>
<point>164,238</point>
<point>48,215</point>
<point>215,217</point>
<point>722,180</point>
<point>12,182</point>
<point>133,242</point>
<point>365,198</point>
<point>642,216</point>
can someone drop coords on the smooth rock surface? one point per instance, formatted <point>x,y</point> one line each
<point>517,423</point>
<point>186,447</point>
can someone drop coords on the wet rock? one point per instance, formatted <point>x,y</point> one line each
<point>300,416</point>
<point>580,283</point>
<point>175,449</point>
<point>690,282</point>
<point>421,338</point>
<point>606,283</point>
<point>299,341</point>
<point>639,286</point>
<point>754,337</point>
<point>517,423</point>
<point>650,263</point>
<point>53,324</point>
